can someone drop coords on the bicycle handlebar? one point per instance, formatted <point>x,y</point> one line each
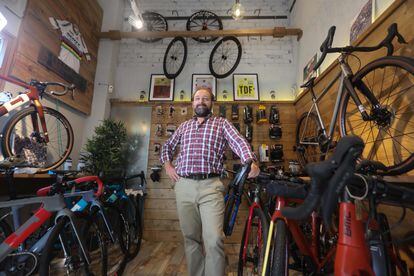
<point>386,42</point>
<point>41,87</point>
<point>69,184</point>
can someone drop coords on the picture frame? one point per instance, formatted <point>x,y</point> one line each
<point>308,70</point>
<point>161,88</point>
<point>362,21</point>
<point>204,81</point>
<point>246,87</point>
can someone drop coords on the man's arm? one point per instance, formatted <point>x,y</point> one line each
<point>240,146</point>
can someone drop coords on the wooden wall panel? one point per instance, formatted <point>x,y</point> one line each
<point>36,32</point>
<point>400,12</point>
<point>161,221</point>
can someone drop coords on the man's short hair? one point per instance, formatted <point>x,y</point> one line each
<point>205,89</point>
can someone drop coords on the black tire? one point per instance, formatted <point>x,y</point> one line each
<point>228,213</point>
<point>153,22</point>
<point>78,264</point>
<point>390,79</point>
<point>133,227</point>
<point>202,21</point>
<point>280,254</point>
<point>175,57</point>
<point>387,240</point>
<point>308,130</point>
<point>252,263</point>
<point>60,135</point>
<point>219,58</point>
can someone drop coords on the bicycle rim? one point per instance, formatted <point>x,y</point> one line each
<point>21,138</point>
<point>389,138</point>
<point>225,57</point>
<point>203,21</point>
<point>175,57</point>
<point>307,139</point>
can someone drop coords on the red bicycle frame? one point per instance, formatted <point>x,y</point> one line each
<point>259,234</point>
<point>31,96</point>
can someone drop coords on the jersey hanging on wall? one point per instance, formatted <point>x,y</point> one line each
<point>72,47</point>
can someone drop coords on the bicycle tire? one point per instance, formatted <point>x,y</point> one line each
<point>128,210</point>
<point>139,205</point>
<point>171,58</point>
<point>254,256</point>
<point>401,159</point>
<point>228,213</point>
<point>206,18</point>
<point>49,251</point>
<point>153,22</point>
<point>61,123</point>
<point>280,256</point>
<point>308,153</point>
<point>224,56</point>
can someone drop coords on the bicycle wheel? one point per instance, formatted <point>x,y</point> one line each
<point>225,57</point>
<point>202,21</point>
<point>133,227</point>
<point>175,57</point>
<point>20,138</point>
<point>388,137</point>
<point>153,22</point>
<point>280,256</point>
<point>308,132</point>
<point>54,261</point>
<point>252,250</point>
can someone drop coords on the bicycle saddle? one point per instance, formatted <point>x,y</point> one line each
<point>309,83</point>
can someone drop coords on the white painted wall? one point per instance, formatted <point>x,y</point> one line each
<point>315,17</point>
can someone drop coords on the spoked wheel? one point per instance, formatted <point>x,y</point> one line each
<point>175,57</point>
<point>308,135</point>
<point>153,22</point>
<point>253,244</point>
<point>202,21</point>
<point>389,135</point>
<point>23,137</point>
<point>225,57</point>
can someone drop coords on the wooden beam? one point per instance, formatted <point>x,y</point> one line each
<point>275,32</point>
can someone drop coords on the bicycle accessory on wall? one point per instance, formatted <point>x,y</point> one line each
<point>170,129</point>
<point>175,57</point>
<point>261,115</point>
<point>153,22</point>
<point>159,110</point>
<point>276,153</point>
<point>225,57</point>
<point>247,114</point>
<point>249,133</point>
<point>264,153</point>
<point>234,111</point>
<point>183,111</point>
<point>158,130</point>
<point>203,21</point>
<point>155,175</point>
<point>157,148</point>
<point>171,110</point>
<point>237,126</point>
<point>274,115</point>
<point>222,111</point>
<point>275,132</point>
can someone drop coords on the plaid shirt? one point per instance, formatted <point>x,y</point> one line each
<point>202,146</point>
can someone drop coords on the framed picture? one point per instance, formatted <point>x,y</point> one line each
<point>362,21</point>
<point>204,81</point>
<point>246,87</point>
<point>308,71</point>
<point>161,88</point>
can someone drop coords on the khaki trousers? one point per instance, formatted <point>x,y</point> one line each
<point>200,206</point>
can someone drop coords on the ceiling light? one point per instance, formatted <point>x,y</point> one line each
<point>3,21</point>
<point>237,11</point>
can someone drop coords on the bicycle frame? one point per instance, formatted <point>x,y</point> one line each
<point>31,96</point>
<point>307,249</point>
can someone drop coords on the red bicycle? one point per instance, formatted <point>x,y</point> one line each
<point>40,135</point>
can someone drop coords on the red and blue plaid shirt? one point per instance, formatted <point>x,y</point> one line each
<point>202,146</point>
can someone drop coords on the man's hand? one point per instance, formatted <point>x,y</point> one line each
<point>171,172</point>
<point>254,171</point>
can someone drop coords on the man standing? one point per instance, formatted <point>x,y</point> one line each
<point>199,191</point>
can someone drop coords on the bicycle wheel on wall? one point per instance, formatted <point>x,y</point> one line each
<point>21,138</point>
<point>175,57</point>
<point>225,57</point>
<point>308,132</point>
<point>253,244</point>
<point>153,22</point>
<point>389,136</point>
<point>202,21</point>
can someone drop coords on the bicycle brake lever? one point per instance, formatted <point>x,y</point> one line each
<point>400,38</point>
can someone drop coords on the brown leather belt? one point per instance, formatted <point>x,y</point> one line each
<point>201,176</point>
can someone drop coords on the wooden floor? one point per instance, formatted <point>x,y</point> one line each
<point>167,258</point>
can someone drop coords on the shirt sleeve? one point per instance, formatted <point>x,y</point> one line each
<point>168,148</point>
<point>237,142</point>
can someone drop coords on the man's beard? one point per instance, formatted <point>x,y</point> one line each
<point>202,110</point>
